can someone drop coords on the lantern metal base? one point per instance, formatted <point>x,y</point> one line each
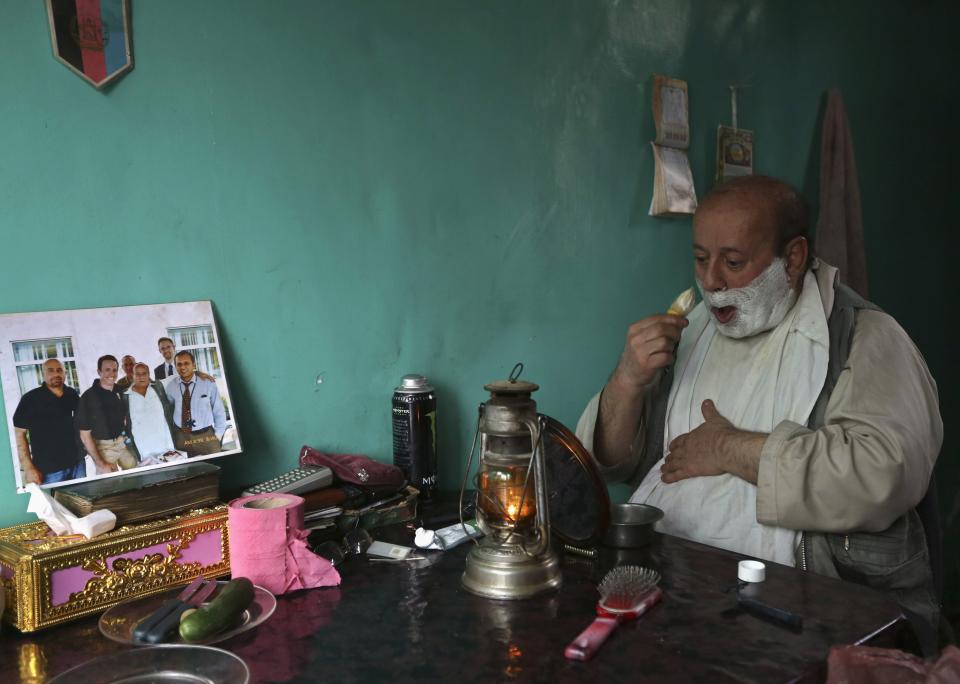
<point>506,572</point>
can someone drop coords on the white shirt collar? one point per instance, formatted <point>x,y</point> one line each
<point>826,281</point>
<point>811,317</point>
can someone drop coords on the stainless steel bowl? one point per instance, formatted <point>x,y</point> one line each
<point>631,525</point>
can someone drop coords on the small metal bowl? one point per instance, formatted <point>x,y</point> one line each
<point>631,525</point>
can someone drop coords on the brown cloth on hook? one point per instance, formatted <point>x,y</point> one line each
<point>839,235</point>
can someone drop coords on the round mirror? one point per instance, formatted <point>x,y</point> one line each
<point>576,494</point>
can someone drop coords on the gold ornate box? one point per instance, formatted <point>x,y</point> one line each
<point>49,580</point>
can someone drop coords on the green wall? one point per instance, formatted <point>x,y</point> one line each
<point>367,189</point>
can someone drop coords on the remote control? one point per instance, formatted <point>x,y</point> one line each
<point>296,481</point>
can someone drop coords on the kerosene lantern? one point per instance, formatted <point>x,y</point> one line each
<point>514,559</point>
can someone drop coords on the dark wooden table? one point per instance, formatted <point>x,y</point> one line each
<point>411,621</point>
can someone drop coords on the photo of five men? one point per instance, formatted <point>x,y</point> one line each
<point>119,423</point>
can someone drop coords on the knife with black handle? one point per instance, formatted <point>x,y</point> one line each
<point>160,624</point>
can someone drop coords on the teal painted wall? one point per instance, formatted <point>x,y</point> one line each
<point>367,189</point>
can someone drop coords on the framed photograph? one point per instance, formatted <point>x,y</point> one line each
<point>91,38</point>
<point>94,393</point>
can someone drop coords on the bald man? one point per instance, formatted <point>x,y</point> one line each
<point>786,418</point>
<point>150,415</point>
<point>45,415</point>
<point>126,382</point>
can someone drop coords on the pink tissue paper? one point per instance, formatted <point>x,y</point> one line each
<point>268,545</point>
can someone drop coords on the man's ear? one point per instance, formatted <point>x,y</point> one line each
<point>796,255</point>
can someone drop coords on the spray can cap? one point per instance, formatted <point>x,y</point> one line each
<point>414,383</point>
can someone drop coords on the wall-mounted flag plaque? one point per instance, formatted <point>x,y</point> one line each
<point>92,38</point>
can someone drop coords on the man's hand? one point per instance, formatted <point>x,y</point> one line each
<point>90,444</point>
<point>103,467</point>
<point>205,376</point>
<point>649,347</point>
<point>32,475</point>
<point>714,448</point>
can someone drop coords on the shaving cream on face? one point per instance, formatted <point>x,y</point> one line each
<point>760,305</point>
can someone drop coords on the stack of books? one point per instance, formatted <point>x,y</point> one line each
<point>146,496</point>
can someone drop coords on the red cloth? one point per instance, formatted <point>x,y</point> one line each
<point>947,668</point>
<point>839,235</point>
<point>869,665</point>
<point>356,469</point>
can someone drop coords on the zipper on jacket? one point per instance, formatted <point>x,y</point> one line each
<point>803,551</point>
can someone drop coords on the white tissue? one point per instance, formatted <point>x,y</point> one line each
<point>445,538</point>
<point>62,521</point>
<point>424,539</point>
<point>95,524</point>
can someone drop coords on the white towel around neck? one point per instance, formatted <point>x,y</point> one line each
<point>756,383</point>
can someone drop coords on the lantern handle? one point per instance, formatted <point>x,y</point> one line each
<point>540,485</point>
<point>466,474</point>
<point>515,373</point>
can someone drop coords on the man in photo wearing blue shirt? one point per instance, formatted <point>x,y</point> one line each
<point>198,413</point>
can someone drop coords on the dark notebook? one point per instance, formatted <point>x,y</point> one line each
<point>145,496</point>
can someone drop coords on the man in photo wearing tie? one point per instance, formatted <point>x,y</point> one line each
<point>165,369</point>
<point>198,413</point>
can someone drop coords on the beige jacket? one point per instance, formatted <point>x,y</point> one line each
<point>872,460</point>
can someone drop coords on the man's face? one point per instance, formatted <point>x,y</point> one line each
<point>53,374</point>
<point>108,374</point>
<point>128,363</point>
<point>166,349</point>
<point>734,241</point>
<point>185,367</point>
<point>141,377</point>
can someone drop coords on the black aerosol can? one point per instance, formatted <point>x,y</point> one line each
<point>415,433</point>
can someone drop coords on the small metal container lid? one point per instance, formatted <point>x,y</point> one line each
<point>414,384</point>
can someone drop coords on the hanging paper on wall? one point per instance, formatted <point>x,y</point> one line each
<point>734,146</point>
<point>92,38</point>
<point>673,191</point>
<point>734,152</point>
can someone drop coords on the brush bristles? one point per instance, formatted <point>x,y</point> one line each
<point>624,586</point>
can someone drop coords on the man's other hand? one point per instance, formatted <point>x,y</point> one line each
<point>649,347</point>
<point>714,448</point>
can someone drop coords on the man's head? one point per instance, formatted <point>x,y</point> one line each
<point>141,377</point>
<point>107,367</point>
<point>128,363</point>
<point>53,374</point>
<point>750,252</point>
<point>166,347</point>
<point>185,365</point>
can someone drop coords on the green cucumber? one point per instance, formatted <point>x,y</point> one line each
<point>221,613</point>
